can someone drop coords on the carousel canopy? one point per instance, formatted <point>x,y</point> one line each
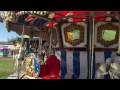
<point>35,20</point>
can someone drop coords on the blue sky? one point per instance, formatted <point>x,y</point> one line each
<point>4,34</point>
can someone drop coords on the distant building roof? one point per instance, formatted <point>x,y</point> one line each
<point>6,43</point>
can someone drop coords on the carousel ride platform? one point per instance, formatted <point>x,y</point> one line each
<point>14,75</point>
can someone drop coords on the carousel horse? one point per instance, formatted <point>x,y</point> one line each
<point>114,70</point>
<point>51,68</point>
<point>32,67</point>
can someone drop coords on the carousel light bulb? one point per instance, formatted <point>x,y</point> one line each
<point>38,12</point>
<point>28,11</point>
<point>12,13</point>
<point>31,12</point>
<point>44,12</point>
<point>35,12</point>
<point>25,11</point>
<point>41,13</point>
<point>18,13</point>
<point>22,12</point>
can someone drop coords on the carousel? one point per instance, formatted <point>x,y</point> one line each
<point>72,44</point>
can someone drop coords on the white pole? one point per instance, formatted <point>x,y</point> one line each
<point>50,46</point>
<point>20,51</point>
<point>91,44</point>
<point>22,35</point>
<point>90,35</point>
<point>93,33</point>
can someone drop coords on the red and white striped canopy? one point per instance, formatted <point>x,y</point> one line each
<point>59,15</point>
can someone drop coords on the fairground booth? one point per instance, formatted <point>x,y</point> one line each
<point>3,51</point>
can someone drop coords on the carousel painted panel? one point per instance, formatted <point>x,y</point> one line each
<point>106,34</point>
<point>55,36</point>
<point>31,67</point>
<point>74,34</point>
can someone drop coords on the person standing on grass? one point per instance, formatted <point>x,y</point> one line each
<point>20,59</point>
<point>16,61</point>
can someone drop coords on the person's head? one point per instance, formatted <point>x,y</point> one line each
<point>97,66</point>
<point>102,68</point>
<point>109,60</point>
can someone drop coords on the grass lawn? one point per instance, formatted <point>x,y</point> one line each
<point>6,67</point>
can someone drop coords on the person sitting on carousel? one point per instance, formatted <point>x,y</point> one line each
<point>51,68</point>
<point>114,70</point>
<point>101,72</point>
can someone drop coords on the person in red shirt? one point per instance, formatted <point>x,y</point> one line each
<point>51,68</point>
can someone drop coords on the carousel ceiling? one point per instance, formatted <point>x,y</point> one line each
<point>34,20</point>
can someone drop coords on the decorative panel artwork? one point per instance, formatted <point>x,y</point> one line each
<point>106,35</point>
<point>74,34</point>
<point>55,36</point>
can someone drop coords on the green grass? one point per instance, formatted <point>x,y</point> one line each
<point>6,67</point>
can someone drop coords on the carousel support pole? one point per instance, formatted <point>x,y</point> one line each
<point>50,44</point>
<point>93,38</point>
<point>29,42</point>
<point>119,38</point>
<point>90,30</point>
<point>91,43</point>
<point>19,67</point>
<point>61,40</point>
<point>39,47</point>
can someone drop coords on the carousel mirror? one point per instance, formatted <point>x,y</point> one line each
<point>108,35</point>
<point>55,36</point>
<point>74,34</point>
